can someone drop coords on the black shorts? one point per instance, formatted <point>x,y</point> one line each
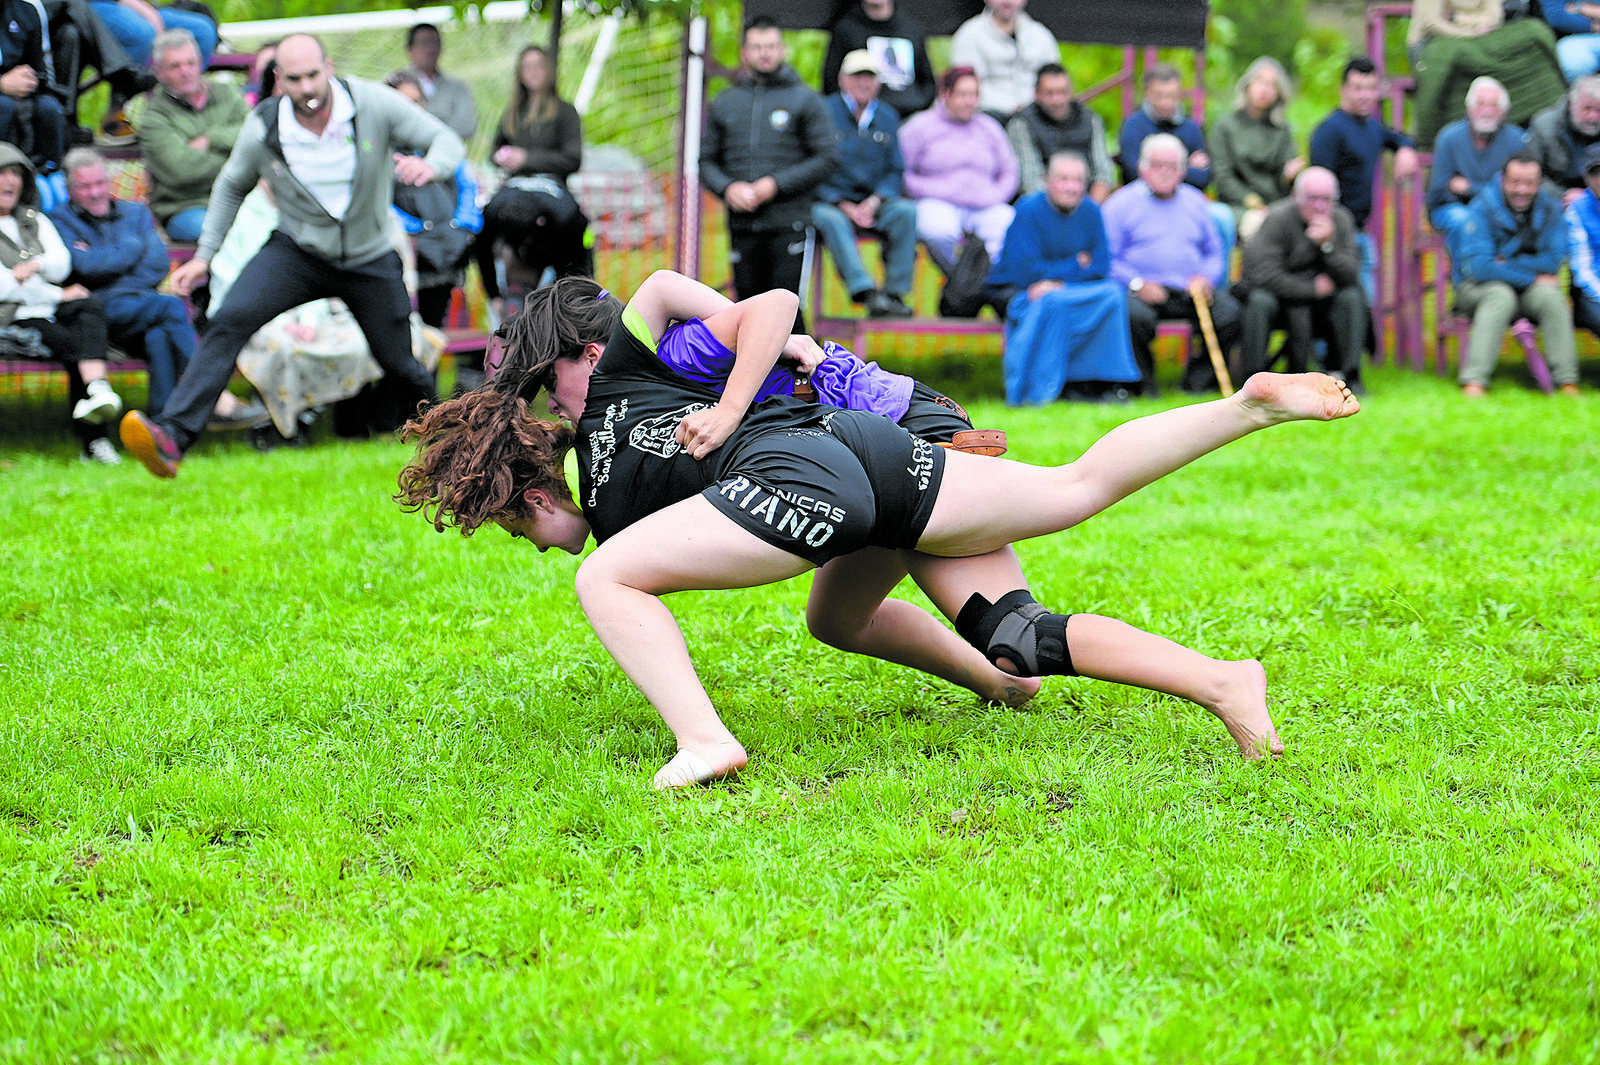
<point>933,415</point>
<point>860,481</point>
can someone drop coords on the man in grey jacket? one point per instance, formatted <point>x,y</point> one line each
<point>327,148</point>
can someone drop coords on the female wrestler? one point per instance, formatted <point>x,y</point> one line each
<point>796,485</point>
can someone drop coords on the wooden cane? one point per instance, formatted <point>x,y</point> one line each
<point>1202,310</point>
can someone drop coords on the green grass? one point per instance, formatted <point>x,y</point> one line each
<point>286,776</point>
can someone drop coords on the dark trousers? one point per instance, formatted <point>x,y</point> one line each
<point>1340,320</point>
<point>77,334</point>
<point>763,260</point>
<point>37,125</point>
<point>281,277</point>
<point>156,326</point>
<point>1144,318</point>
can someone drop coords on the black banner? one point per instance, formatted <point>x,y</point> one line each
<point>1162,23</point>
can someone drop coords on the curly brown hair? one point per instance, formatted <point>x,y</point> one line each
<point>476,456</point>
<point>556,322</point>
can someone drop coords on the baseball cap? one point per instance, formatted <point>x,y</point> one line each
<point>859,61</point>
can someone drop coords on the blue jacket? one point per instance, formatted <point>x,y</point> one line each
<point>1583,238</point>
<point>870,162</point>
<point>1490,250</point>
<point>1043,244</point>
<point>1454,153</point>
<point>118,254</point>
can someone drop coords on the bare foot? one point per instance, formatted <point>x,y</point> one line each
<point>1473,391</point>
<point>1282,397</point>
<point>701,767</point>
<point>1241,705</point>
<point>1010,691</point>
<point>1570,389</point>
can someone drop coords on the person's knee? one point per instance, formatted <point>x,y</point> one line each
<point>834,628</point>
<point>1020,631</point>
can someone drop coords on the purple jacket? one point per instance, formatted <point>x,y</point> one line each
<point>969,164</point>
<point>1165,241</point>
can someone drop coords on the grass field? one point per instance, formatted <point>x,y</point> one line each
<point>287,776</point>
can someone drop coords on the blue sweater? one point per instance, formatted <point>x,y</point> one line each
<point>1043,244</point>
<point>1490,248</point>
<point>1454,153</point>
<point>1141,124</point>
<point>869,158</point>
<point>119,254</point>
<point>1350,147</point>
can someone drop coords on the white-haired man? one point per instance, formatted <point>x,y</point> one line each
<point>1469,154</point>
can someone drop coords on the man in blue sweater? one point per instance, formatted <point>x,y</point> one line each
<point>1511,249</point>
<point>1469,154</point>
<point>864,192</point>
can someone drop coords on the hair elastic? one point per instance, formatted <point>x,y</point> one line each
<point>603,294</point>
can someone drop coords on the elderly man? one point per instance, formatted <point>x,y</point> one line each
<point>1067,327</point>
<point>1469,154</point>
<point>863,194</point>
<point>1163,243</point>
<point>1057,122</point>
<point>446,98</point>
<point>1303,269</point>
<point>185,134</point>
<point>1560,134</point>
<point>898,46</point>
<point>1006,47</point>
<point>1511,249</point>
<point>334,219</point>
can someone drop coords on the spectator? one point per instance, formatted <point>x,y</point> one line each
<point>865,190</point>
<point>899,48</point>
<point>118,255</point>
<point>332,237</point>
<point>1005,47</point>
<point>1068,326</point>
<point>1451,42</point>
<point>768,145</point>
<point>1163,241</point>
<point>1162,112</point>
<point>1057,122</point>
<point>446,98</point>
<point>442,218</point>
<point>1583,241</point>
<point>1469,155</point>
<point>135,24</point>
<point>533,215</point>
<point>1577,29</point>
<point>31,113</point>
<point>263,74</point>
<point>1559,136</point>
<point>1254,160</point>
<point>1512,248</point>
<point>75,40</point>
<point>1303,269</point>
<point>960,168</point>
<point>70,322</point>
<point>186,132</point>
<point>1350,142</point>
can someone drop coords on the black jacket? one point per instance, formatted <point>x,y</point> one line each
<point>907,91</point>
<point>773,127</point>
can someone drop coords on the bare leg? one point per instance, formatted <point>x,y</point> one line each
<point>849,610</point>
<point>92,370</point>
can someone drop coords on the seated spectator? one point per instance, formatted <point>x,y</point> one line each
<point>262,81</point>
<point>538,145</point>
<point>1583,243</point>
<point>1253,156</point>
<point>1452,42</point>
<point>1559,136</point>
<point>186,133</point>
<point>1163,244</point>
<point>69,321</point>
<point>1469,155</point>
<point>77,40</point>
<point>1005,48</point>
<point>118,255</point>
<point>960,168</point>
<point>1067,327</point>
<point>31,113</point>
<point>1162,112</point>
<point>1058,122</point>
<point>1577,29</point>
<point>446,98</point>
<point>898,46</point>
<point>863,193</point>
<point>135,24</point>
<point>1511,250</point>
<point>1303,271</point>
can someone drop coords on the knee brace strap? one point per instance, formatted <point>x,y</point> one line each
<point>1019,630</point>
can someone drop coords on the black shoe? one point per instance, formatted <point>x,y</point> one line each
<point>889,305</point>
<point>866,295</point>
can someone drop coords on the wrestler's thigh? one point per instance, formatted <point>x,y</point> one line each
<point>689,546</point>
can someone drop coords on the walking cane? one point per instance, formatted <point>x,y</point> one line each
<point>1202,310</point>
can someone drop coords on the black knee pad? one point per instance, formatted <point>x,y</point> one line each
<point>1019,630</point>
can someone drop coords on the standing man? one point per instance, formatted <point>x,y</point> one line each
<point>1006,46</point>
<point>446,98</point>
<point>1057,122</point>
<point>1468,155</point>
<point>898,46</point>
<point>865,192</point>
<point>186,133</point>
<point>768,145</point>
<point>1350,142</point>
<point>334,195</point>
<point>1302,268</point>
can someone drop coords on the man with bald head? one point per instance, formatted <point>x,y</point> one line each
<point>1303,271</point>
<point>334,190</point>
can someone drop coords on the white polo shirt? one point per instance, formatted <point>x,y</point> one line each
<point>326,164</point>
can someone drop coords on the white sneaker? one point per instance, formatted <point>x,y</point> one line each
<point>100,451</point>
<point>99,406</point>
